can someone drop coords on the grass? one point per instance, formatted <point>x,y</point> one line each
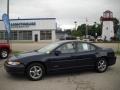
<point>117,52</point>
<point>16,52</point>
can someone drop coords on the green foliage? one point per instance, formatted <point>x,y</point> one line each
<point>118,33</point>
<point>116,26</point>
<point>76,33</point>
<point>16,52</point>
<point>82,29</point>
<point>68,31</point>
<point>92,29</point>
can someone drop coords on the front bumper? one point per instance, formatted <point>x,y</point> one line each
<point>14,69</point>
<point>112,60</point>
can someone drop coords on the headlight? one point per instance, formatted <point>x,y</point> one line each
<point>13,63</point>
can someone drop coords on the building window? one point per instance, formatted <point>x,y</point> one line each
<point>14,35</point>
<point>17,35</point>
<point>45,35</point>
<point>3,35</point>
<point>25,35</point>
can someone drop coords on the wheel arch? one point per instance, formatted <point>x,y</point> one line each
<point>106,58</point>
<point>45,67</point>
<point>5,48</point>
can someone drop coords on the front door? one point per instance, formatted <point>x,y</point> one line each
<point>36,38</point>
<point>62,60</point>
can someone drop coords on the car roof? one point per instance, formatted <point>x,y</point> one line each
<point>65,41</point>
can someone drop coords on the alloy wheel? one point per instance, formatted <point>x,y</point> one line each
<point>102,65</point>
<point>4,54</point>
<point>35,72</point>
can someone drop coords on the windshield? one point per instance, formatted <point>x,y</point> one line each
<point>48,48</point>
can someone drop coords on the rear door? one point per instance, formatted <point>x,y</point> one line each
<point>85,56</point>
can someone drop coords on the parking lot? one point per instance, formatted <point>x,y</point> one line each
<point>81,80</point>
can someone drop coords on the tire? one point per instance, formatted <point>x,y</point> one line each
<point>35,71</point>
<point>101,65</point>
<point>4,53</point>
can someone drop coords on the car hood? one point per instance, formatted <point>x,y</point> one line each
<point>23,55</point>
<point>107,49</point>
<point>27,54</point>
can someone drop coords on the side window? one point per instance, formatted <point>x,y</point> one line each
<point>67,48</point>
<point>91,47</point>
<point>85,47</point>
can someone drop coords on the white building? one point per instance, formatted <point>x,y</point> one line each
<point>34,29</point>
<point>108,26</point>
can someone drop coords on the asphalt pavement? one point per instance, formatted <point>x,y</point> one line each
<point>82,80</point>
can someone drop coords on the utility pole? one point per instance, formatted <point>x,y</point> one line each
<point>8,36</point>
<point>8,8</point>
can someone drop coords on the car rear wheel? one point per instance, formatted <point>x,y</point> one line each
<point>4,53</point>
<point>101,65</point>
<point>35,71</point>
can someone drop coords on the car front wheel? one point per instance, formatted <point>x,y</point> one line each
<point>35,71</point>
<point>101,65</point>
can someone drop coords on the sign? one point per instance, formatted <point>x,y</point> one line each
<point>22,24</point>
<point>6,21</point>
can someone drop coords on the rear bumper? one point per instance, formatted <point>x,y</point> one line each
<point>16,69</point>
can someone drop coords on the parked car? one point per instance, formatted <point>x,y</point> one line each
<point>86,40</point>
<point>68,38</point>
<point>99,38</point>
<point>60,56</point>
<point>4,50</point>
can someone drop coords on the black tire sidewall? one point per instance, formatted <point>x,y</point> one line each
<point>28,70</point>
<point>97,65</point>
<point>1,51</point>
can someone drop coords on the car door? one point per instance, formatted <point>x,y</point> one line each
<point>85,56</point>
<point>61,56</point>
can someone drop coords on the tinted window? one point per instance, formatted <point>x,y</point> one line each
<point>67,48</point>
<point>85,47</point>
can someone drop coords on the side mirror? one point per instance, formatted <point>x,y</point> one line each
<point>57,53</point>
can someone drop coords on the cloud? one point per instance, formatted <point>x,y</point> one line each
<point>66,11</point>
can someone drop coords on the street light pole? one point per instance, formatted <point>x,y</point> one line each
<point>86,33</point>
<point>75,25</point>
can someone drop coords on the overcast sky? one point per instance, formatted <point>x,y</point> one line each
<point>65,11</point>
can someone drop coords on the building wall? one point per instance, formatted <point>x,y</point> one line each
<point>47,26</point>
<point>107,30</point>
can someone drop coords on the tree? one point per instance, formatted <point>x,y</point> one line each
<point>95,28</point>
<point>68,31</point>
<point>118,33</point>
<point>92,30</point>
<point>82,29</point>
<point>116,26</point>
<point>76,33</point>
<point>99,29</point>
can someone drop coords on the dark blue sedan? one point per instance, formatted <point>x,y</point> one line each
<point>63,55</point>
